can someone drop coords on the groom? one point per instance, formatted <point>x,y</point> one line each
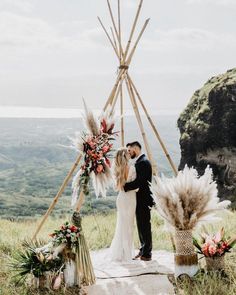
<point>144,199</point>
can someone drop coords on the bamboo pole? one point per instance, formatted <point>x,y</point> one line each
<point>138,39</point>
<point>66,180</point>
<point>109,38</point>
<point>114,40</point>
<point>140,123</point>
<point>122,116</point>
<point>132,30</point>
<point>153,127</point>
<point>119,31</point>
<point>114,89</point>
<point>117,94</point>
<point>114,25</point>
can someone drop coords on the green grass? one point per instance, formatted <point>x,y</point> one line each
<point>99,230</point>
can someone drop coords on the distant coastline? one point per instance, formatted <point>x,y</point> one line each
<point>40,112</point>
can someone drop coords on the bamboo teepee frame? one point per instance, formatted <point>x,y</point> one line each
<point>124,56</point>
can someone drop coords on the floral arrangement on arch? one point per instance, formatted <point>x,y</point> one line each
<point>95,145</point>
<point>215,245</point>
<point>67,234</point>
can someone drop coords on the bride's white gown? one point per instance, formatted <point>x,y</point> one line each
<point>122,246</point>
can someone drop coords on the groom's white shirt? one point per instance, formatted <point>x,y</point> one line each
<point>136,159</point>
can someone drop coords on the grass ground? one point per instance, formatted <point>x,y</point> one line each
<point>99,231</point>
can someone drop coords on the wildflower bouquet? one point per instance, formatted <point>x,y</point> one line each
<point>214,245</point>
<point>67,234</point>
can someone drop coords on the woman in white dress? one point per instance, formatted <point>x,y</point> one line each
<point>122,246</point>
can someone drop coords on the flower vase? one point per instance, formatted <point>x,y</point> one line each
<point>215,263</point>
<point>70,272</point>
<point>40,282</point>
<point>186,260</point>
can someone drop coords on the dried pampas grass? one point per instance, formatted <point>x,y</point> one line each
<point>91,124</point>
<point>186,200</point>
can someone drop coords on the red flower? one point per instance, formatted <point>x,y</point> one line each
<point>225,245</point>
<point>108,162</point>
<point>73,228</point>
<point>111,128</point>
<point>103,126</point>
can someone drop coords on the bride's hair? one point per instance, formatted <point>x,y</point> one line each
<point>121,162</point>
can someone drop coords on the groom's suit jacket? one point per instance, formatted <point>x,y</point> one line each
<point>144,176</point>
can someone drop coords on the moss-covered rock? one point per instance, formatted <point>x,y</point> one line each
<point>208,132</point>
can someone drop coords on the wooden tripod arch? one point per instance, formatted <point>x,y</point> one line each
<point>124,56</point>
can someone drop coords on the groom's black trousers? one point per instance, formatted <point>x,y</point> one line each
<point>143,219</point>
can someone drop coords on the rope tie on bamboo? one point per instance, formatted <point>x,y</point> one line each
<point>123,67</point>
<point>183,242</point>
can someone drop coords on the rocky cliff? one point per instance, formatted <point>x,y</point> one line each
<point>208,132</point>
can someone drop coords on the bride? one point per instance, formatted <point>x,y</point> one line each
<point>122,246</point>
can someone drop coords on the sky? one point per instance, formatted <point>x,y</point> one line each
<point>54,52</point>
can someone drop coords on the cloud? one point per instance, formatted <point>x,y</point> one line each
<point>188,38</point>
<point>24,6</point>
<point>213,2</point>
<point>130,4</point>
<point>23,31</point>
<point>31,35</point>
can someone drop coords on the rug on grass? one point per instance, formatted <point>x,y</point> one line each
<point>162,263</point>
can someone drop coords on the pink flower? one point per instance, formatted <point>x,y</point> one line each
<point>205,249</point>
<point>68,235</point>
<point>57,282</point>
<point>105,149</point>
<point>212,250</point>
<point>99,168</point>
<point>217,237</point>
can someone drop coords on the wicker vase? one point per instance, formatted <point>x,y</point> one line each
<point>186,260</point>
<point>215,263</point>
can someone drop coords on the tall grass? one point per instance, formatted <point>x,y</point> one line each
<point>99,230</point>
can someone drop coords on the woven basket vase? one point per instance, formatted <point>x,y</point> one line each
<point>186,260</point>
<point>215,263</point>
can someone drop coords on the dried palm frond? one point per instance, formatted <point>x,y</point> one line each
<point>187,199</point>
<point>33,259</point>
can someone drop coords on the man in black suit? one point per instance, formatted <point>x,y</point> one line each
<point>144,199</point>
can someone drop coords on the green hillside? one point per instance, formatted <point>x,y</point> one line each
<point>35,158</point>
